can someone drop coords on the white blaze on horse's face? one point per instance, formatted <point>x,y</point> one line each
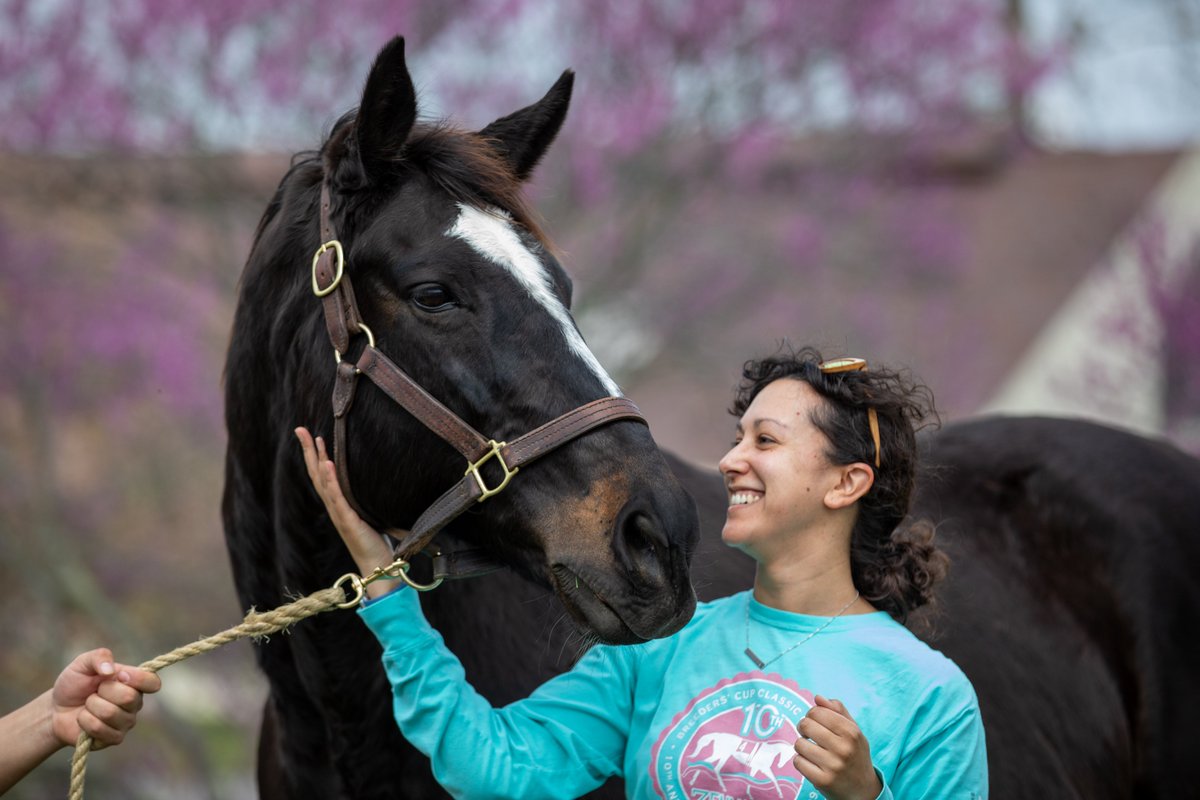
<point>491,234</point>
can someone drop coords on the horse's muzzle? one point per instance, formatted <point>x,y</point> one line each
<point>640,589</point>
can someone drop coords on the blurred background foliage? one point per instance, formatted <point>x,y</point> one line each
<point>924,182</point>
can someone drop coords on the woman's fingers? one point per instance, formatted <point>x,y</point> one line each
<point>344,517</point>
<point>311,460</point>
<point>367,546</point>
<point>817,743</point>
<point>816,774</point>
<point>832,751</point>
<point>834,705</point>
<point>321,451</point>
<point>315,459</point>
<point>830,724</point>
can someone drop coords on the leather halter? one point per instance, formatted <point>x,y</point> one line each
<point>331,283</point>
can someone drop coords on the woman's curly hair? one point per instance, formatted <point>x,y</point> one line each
<point>893,560</point>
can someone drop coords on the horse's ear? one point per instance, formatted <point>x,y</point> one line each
<point>524,136</point>
<point>388,110</point>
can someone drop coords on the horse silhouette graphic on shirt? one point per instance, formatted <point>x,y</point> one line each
<point>759,758</point>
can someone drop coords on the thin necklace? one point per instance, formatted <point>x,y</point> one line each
<point>759,662</point>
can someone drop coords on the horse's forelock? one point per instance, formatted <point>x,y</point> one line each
<point>462,163</point>
<point>471,171</point>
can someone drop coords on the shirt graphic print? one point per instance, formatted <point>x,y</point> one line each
<point>735,740</point>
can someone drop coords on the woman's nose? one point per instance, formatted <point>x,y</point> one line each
<point>732,461</point>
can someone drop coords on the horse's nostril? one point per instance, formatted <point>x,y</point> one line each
<point>648,530</point>
<point>641,541</point>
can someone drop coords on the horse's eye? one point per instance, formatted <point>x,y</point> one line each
<point>433,297</point>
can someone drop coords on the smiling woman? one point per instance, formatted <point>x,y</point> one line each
<point>823,420</point>
<point>701,712</point>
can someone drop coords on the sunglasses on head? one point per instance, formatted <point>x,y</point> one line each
<point>849,364</point>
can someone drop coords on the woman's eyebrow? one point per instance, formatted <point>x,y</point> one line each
<point>758,423</point>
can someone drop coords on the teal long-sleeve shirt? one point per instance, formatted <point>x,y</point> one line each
<point>690,716</point>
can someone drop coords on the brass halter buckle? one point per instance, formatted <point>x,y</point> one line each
<point>336,246</point>
<point>473,469</point>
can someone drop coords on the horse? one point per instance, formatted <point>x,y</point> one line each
<point>1069,602</point>
<point>457,283</point>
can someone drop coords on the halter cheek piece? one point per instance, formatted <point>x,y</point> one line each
<point>331,284</point>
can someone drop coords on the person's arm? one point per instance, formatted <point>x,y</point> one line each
<point>92,694</point>
<point>950,761</point>
<point>562,741</point>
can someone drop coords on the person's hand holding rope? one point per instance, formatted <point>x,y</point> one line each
<point>95,702</point>
<point>370,552</point>
<point>93,695</point>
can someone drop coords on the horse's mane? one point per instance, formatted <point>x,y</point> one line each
<point>309,160</point>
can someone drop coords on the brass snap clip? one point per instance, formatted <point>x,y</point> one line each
<point>358,584</point>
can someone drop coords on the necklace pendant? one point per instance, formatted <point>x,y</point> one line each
<point>757,661</point>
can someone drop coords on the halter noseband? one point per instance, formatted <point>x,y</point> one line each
<point>331,284</point>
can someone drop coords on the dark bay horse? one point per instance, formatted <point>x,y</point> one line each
<point>1071,602</point>
<point>456,284</point>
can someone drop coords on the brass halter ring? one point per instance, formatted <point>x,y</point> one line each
<point>370,341</point>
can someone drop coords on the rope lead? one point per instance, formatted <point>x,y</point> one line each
<point>256,625</point>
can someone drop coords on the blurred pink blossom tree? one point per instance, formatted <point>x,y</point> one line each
<point>726,161</point>
<point>685,113</point>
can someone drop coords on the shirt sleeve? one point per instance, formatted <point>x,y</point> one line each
<point>565,739</point>
<point>950,761</point>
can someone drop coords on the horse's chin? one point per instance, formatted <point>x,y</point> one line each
<point>594,615</point>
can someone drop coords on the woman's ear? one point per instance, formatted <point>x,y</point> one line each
<point>853,483</point>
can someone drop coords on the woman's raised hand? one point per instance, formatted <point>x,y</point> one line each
<point>367,546</point>
<point>833,753</point>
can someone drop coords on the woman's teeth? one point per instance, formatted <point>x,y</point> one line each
<point>743,498</point>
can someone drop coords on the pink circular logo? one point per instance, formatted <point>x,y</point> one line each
<point>734,740</point>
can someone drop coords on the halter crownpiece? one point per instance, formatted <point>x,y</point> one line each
<point>852,364</point>
<point>331,284</point>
